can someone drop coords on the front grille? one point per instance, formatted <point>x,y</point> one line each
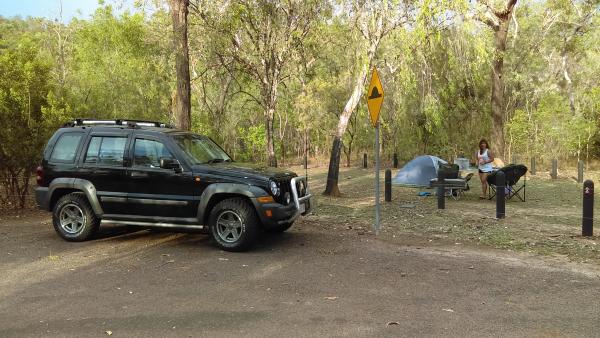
<point>301,188</point>
<point>285,187</point>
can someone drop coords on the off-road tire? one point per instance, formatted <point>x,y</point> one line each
<point>234,210</point>
<point>279,228</point>
<point>90,223</point>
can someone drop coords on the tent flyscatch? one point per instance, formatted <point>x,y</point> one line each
<point>418,172</point>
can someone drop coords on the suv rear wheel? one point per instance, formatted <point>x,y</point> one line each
<point>233,224</point>
<point>73,218</point>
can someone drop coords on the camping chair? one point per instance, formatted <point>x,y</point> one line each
<point>455,186</point>
<point>512,174</point>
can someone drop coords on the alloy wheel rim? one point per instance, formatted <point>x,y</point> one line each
<point>71,218</point>
<point>229,226</point>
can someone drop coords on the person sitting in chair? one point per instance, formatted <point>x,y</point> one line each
<point>484,163</point>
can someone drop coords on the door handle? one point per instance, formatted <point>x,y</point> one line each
<point>139,174</point>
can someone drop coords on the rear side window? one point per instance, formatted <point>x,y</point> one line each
<point>65,148</point>
<point>106,150</point>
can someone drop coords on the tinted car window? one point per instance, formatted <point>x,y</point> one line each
<point>200,149</point>
<point>148,153</point>
<point>106,150</point>
<point>66,148</point>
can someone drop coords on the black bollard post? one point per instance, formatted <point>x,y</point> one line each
<point>441,191</point>
<point>365,164</point>
<point>580,172</point>
<point>587,221</point>
<point>533,171</point>
<point>388,185</point>
<point>395,161</point>
<point>554,173</point>
<point>500,194</point>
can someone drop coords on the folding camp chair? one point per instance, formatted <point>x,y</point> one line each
<point>454,185</point>
<point>457,186</point>
<point>512,175</point>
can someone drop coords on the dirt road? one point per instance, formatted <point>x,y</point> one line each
<point>308,282</point>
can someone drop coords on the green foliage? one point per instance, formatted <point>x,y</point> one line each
<point>253,141</point>
<point>24,88</point>
<point>435,69</point>
<point>115,71</point>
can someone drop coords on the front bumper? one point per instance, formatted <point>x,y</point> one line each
<point>283,214</point>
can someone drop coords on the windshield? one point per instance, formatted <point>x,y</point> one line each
<point>201,149</point>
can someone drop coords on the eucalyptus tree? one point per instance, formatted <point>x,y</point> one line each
<point>374,20</point>
<point>114,71</point>
<point>498,19</point>
<point>550,82</point>
<point>181,106</point>
<point>572,20</point>
<point>262,37</point>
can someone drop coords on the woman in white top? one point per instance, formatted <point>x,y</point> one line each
<point>484,163</point>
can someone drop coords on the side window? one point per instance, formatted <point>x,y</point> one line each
<point>65,148</point>
<point>106,150</point>
<point>147,153</point>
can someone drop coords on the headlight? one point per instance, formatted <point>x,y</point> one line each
<point>274,188</point>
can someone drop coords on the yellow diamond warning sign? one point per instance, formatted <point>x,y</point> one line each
<point>375,97</point>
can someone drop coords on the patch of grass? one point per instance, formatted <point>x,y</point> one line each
<point>548,223</point>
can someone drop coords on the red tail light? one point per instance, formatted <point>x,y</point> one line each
<point>40,176</point>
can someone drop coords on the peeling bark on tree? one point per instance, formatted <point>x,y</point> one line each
<point>499,21</point>
<point>497,101</point>
<point>333,174</point>
<point>270,95</point>
<point>181,101</point>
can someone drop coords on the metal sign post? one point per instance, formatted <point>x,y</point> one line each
<point>377,225</point>
<point>374,101</point>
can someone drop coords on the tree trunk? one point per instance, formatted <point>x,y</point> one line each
<point>271,157</point>
<point>282,145</point>
<point>269,93</point>
<point>334,162</point>
<point>181,105</point>
<point>498,112</point>
<point>373,37</point>
<point>334,168</point>
<point>305,147</point>
<point>269,130</point>
<point>570,89</point>
<point>500,24</point>
<point>349,154</point>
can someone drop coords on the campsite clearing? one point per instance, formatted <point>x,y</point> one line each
<point>548,223</point>
<point>428,273</point>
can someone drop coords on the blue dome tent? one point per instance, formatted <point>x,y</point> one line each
<point>418,172</point>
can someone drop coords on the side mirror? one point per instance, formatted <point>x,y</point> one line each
<point>170,163</point>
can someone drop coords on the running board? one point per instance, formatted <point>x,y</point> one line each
<point>155,225</point>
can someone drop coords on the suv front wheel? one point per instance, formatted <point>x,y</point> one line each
<point>233,224</point>
<point>73,218</point>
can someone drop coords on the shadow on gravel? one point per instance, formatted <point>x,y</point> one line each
<point>197,238</point>
<point>284,241</point>
<point>110,231</point>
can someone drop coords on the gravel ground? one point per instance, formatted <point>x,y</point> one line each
<point>311,281</point>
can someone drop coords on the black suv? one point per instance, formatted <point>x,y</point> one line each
<point>149,174</point>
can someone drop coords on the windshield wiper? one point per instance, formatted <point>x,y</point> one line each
<point>215,160</point>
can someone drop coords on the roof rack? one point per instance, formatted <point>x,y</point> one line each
<point>128,123</point>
